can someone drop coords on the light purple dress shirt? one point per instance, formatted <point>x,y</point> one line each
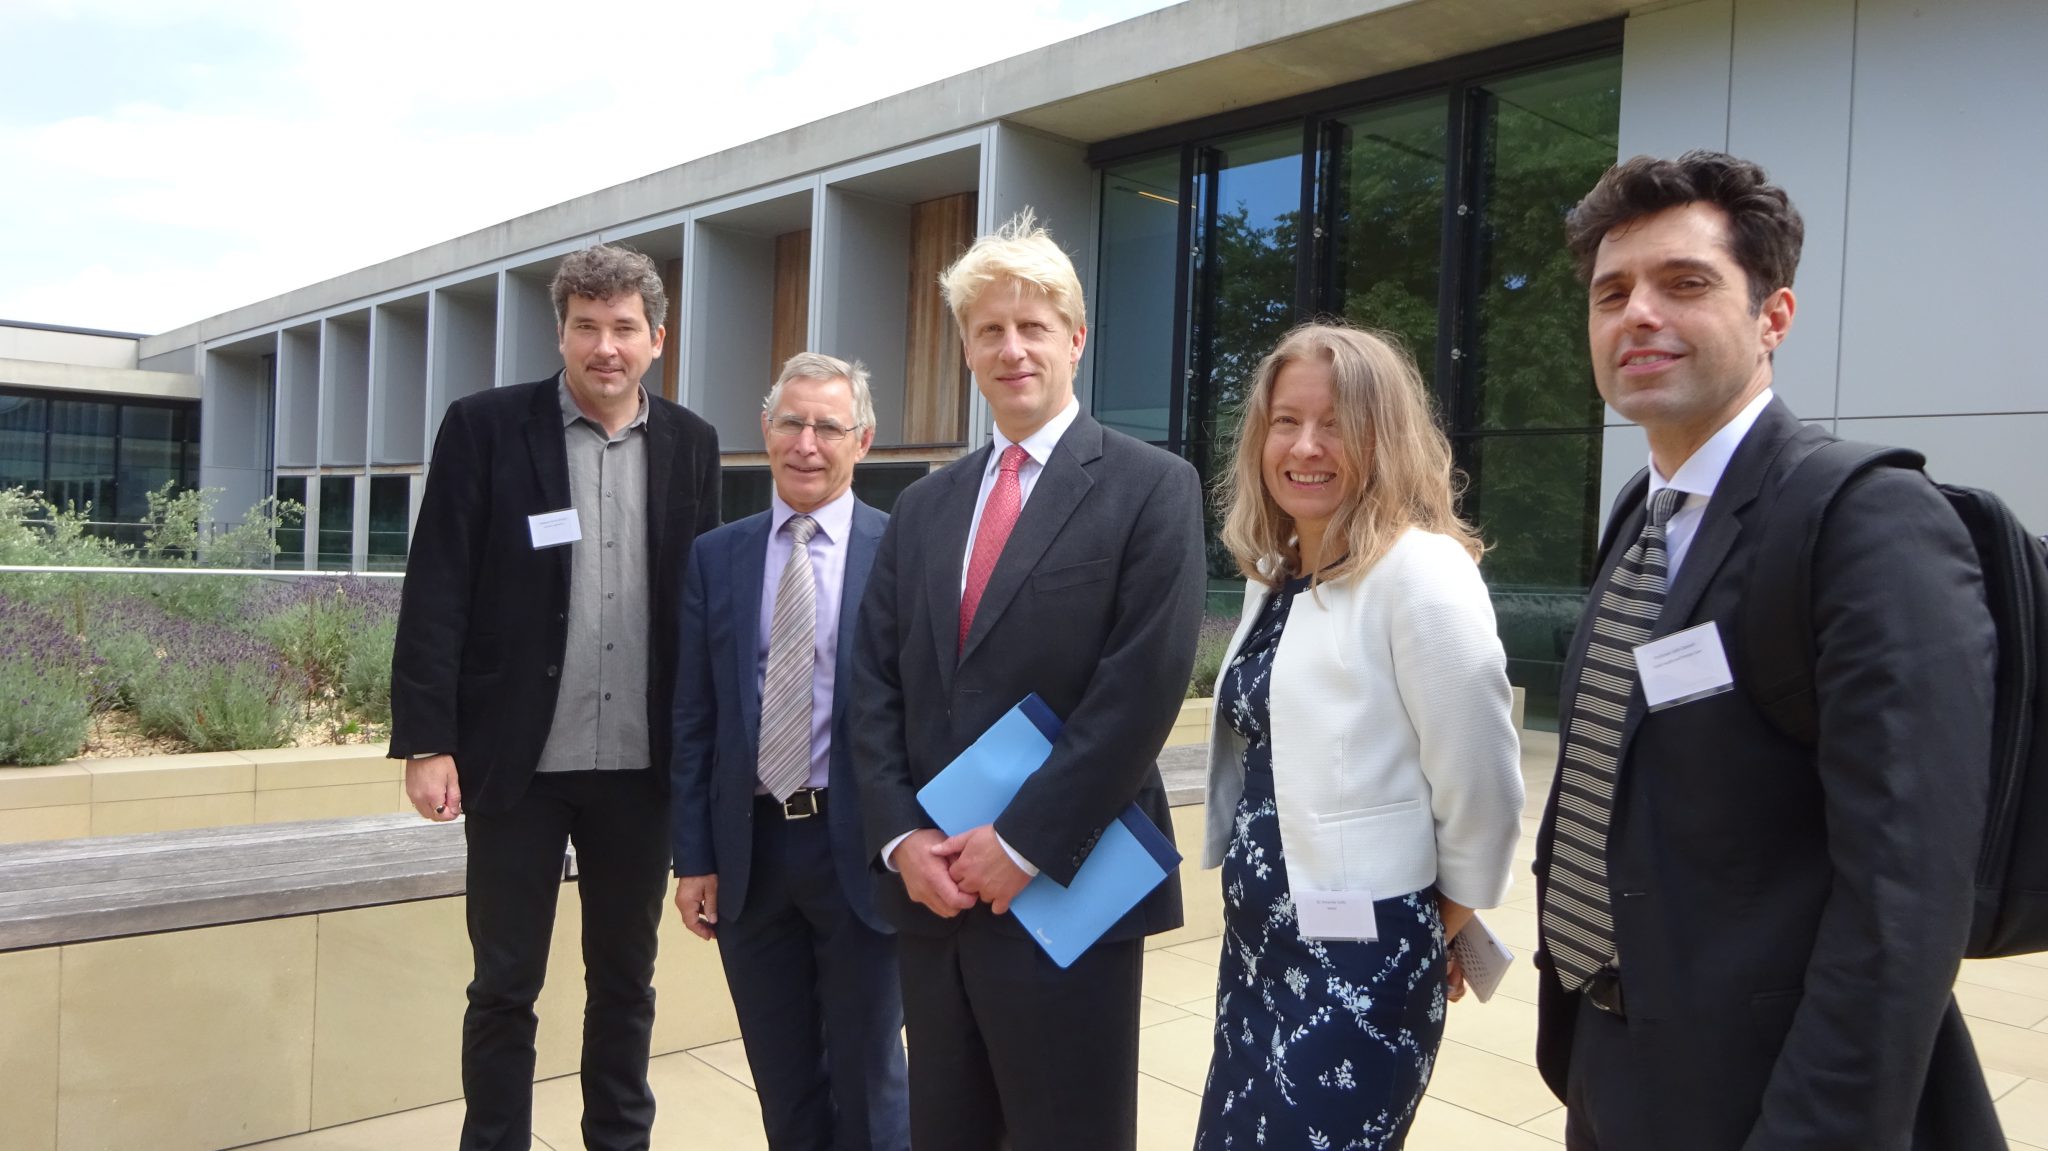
<point>828,568</point>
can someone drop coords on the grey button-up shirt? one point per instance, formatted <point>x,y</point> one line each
<point>601,714</point>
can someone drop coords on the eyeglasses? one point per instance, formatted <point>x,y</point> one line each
<point>827,430</point>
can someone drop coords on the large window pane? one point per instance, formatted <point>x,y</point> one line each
<point>390,507</point>
<point>878,485</point>
<point>82,456</point>
<point>1544,138</point>
<point>1535,499</point>
<point>152,455</point>
<point>1386,220</point>
<point>742,492</point>
<point>337,538</point>
<point>1248,238</point>
<point>1134,381</point>
<point>23,421</point>
<point>291,538</point>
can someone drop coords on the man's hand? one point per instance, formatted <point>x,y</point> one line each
<point>697,899</point>
<point>925,875</point>
<point>982,868</point>
<point>431,786</point>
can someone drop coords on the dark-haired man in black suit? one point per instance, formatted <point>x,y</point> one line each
<point>1748,942</point>
<point>531,681</point>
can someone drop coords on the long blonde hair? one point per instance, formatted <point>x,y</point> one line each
<point>1400,461</point>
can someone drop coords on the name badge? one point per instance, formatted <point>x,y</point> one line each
<point>553,529</point>
<point>1345,915</point>
<point>1683,666</point>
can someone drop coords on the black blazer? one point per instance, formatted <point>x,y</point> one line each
<point>484,618</point>
<point>1094,605</point>
<point>1790,919</point>
<point>718,714</point>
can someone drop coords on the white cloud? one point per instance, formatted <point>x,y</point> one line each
<point>387,126</point>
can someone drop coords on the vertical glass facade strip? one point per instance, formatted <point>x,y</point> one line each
<point>1248,233</point>
<point>1542,139</point>
<point>1385,221</point>
<point>337,531</point>
<point>291,538</point>
<point>1134,297</point>
<point>24,441</point>
<point>81,470</point>
<point>151,455</point>
<point>390,507</point>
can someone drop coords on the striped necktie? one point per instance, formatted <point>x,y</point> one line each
<point>784,762</point>
<point>1578,914</point>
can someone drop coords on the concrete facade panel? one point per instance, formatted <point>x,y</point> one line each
<point>2001,452</point>
<point>1791,72</point>
<point>861,262</point>
<point>1945,244</point>
<point>1674,79</point>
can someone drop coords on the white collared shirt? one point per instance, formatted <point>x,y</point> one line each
<point>1038,448</point>
<point>1697,477</point>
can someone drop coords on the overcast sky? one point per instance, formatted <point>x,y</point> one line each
<point>165,160</point>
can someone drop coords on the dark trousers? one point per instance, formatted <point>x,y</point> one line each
<point>618,821</point>
<point>1605,1099</point>
<point>817,996</point>
<point>1009,1051</point>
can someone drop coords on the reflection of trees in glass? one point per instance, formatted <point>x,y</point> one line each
<point>1544,140</point>
<point>1388,223</point>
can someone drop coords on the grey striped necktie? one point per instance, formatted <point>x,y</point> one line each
<point>1578,914</point>
<point>784,762</point>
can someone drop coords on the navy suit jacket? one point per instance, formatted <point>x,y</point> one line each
<point>718,713</point>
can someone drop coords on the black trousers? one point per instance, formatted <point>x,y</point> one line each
<point>817,996</point>
<point>618,821</point>
<point>1007,1050</point>
<point>1607,1104</point>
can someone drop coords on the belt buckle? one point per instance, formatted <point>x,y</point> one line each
<point>801,804</point>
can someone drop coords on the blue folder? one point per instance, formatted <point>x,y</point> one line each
<point>1129,860</point>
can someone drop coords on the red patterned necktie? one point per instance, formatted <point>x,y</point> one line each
<point>998,516</point>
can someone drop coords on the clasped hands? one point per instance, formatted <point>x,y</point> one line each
<point>948,874</point>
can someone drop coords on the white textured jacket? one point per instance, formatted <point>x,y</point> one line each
<point>1395,763</point>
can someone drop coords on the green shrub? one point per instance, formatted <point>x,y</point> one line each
<point>219,707</point>
<point>1210,648</point>
<point>366,674</point>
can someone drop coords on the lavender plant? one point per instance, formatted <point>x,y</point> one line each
<point>47,686</point>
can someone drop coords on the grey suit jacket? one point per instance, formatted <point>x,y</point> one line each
<point>1094,604</point>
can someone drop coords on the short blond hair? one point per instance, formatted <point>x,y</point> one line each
<point>1400,459</point>
<point>823,368</point>
<point>1023,252</point>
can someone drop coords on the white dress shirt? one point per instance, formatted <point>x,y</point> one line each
<point>1697,477</point>
<point>1038,448</point>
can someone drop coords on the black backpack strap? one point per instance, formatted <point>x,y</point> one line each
<point>1777,601</point>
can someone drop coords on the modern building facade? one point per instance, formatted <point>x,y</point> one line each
<point>1220,171</point>
<point>83,424</point>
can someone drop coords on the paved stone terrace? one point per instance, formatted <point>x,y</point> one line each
<point>1486,1095</point>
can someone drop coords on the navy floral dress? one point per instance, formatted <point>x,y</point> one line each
<point>1322,1045</point>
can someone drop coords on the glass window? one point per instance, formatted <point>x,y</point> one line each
<point>1543,139</point>
<point>291,538</point>
<point>1248,227</point>
<point>390,508</point>
<point>82,456</point>
<point>152,455</point>
<point>337,536</point>
<point>1134,298</point>
<point>878,485</point>
<point>23,427</point>
<point>1385,216</point>
<point>742,492</point>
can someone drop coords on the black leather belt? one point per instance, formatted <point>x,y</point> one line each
<point>802,803</point>
<point>1604,992</point>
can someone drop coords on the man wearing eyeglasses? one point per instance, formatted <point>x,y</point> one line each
<point>767,828</point>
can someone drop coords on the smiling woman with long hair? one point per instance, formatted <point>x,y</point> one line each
<point>1365,791</point>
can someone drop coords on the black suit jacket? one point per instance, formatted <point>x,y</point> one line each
<point>1094,604</point>
<point>1790,919</point>
<point>484,618</point>
<point>718,713</point>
